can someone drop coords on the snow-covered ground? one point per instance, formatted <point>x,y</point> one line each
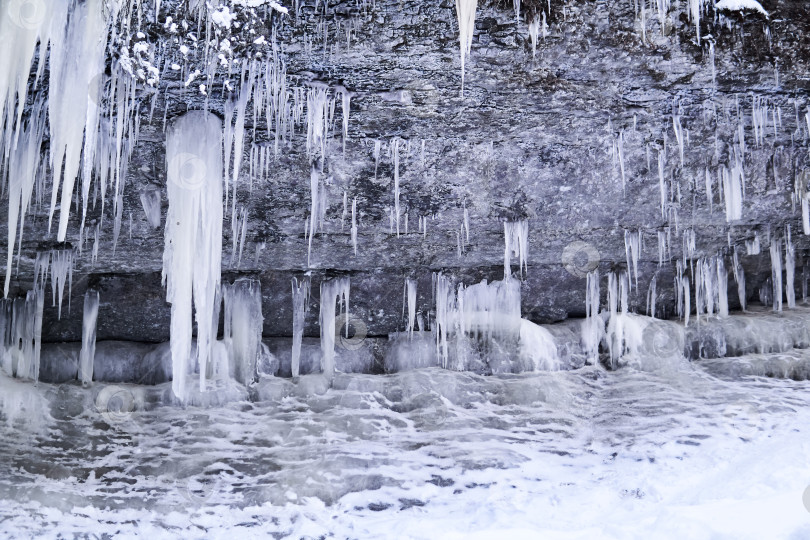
<point>675,453</point>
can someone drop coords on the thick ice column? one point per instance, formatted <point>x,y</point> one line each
<point>300,295</point>
<point>243,326</point>
<point>88,352</point>
<point>192,252</point>
<point>332,291</point>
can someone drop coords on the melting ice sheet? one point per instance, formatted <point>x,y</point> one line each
<point>429,453</point>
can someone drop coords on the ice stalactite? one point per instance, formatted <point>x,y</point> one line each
<point>74,92</point>
<point>61,274</point>
<point>739,278</point>
<point>394,154</point>
<point>354,225</point>
<point>516,240</point>
<point>695,11</point>
<point>243,327</point>
<point>319,105</point>
<point>88,351</point>
<point>23,170</point>
<point>345,100</point>
<point>465,12</point>
<point>651,297</point>
<point>662,248</point>
<point>593,328</point>
<point>618,285</point>
<point>332,291</point>
<point>679,137</point>
<point>21,333</point>
<point>709,193</point>
<point>722,287</point>
<point>632,250</point>
<point>150,200</point>
<point>776,272</point>
<point>662,182</point>
<point>192,253</point>
<point>300,298</point>
<point>733,190</point>
<point>317,208</point>
<point>410,292</point>
<point>790,270</point>
<point>534,31</point>
<point>239,224</point>
<point>483,315</point>
<point>753,246</point>
<point>376,154</point>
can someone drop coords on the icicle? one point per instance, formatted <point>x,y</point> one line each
<point>722,287</point>
<point>345,210</point>
<point>192,252</point>
<point>317,209</point>
<point>516,239</point>
<point>534,31</point>
<point>150,199</point>
<point>394,151</point>
<point>23,169</point>
<point>662,248</point>
<point>73,96</point>
<point>776,272</point>
<point>790,270</point>
<point>346,97</point>
<point>354,225</point>
<point>465,11</point>
<point>661,182</point>
<point>300,296</point>
<point>376,153</point>
<point>410,287</point>
<point>632,250</point>
<point>651,296</point>
<point>243,327</point>
<point>332,291</point>
<point>676,124</point>
<point>753,247</point>
<point>592,326</point>
<point>61,272</point>
<point>88,351</point>
<point>733,190</point>
<point>739,277</point>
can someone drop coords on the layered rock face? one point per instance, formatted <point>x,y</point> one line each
<point>618,120</point>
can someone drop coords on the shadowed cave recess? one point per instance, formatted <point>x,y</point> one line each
<point>431,218</point>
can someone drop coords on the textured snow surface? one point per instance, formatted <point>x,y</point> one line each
<point>675,453</point>
<point>739,5</point>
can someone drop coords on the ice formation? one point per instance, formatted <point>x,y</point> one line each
<point>410,291</point>
<point>192,253</point>
<point>300,299</point>
<point>243,327</point>
<point>465,12</point>
<point>317,208</point>
<point>593,327</point>
<point>632,251</point>
<point>776,272</point>
<point>150,200</point>
<point>21,327</point>
<point>61,265</point>
<point>790,270</point>
<point>516,240</point>
<point>88,352</point>
<point>333,291</point>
